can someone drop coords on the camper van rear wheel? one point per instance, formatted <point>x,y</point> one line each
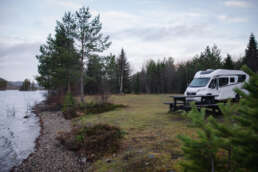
<point>237,98</point>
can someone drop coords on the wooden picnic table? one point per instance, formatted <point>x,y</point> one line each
<point>182,102</point>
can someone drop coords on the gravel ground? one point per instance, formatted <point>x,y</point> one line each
<point>50,155</point>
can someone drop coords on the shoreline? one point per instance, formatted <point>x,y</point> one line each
<point>36,110</point>
<point>48,154</point>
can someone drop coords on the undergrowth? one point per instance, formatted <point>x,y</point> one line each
<point>92,141</point>
<point>95,108</point>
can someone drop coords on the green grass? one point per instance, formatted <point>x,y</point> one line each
<point>151,131</point>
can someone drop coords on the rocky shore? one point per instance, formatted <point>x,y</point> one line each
<point>50,155</point>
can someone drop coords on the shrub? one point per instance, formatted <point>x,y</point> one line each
<point>93,141</point>
<point>54,101</point>
<point>102,98</point>
<point>69,109</point>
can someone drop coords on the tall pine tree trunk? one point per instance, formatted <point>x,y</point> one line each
<point>81,76</point>
<point>69,87</point>
<point>121,78</point>
<point>212,165</point>
<point>121,84</point>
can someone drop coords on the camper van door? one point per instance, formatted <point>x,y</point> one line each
<point>226,87</point>
<point>213,87</point>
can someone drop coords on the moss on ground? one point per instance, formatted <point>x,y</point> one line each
<point>150,143</point>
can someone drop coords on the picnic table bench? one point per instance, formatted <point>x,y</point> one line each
<point>183,102</point>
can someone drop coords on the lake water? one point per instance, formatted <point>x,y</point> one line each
<point>17,134</point>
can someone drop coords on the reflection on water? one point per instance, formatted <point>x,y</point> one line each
<point>18,126</point>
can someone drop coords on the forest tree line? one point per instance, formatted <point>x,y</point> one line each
<point>69,61</point>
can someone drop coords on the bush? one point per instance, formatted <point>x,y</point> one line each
<point>69,109</point>
<point>54,101</point>
<point>92,141</point>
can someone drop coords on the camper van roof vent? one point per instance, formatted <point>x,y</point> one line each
<point>208,71</point>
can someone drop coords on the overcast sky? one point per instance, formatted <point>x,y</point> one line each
<point>146,29</point>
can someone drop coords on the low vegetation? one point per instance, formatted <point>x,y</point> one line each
<point>3,84</point>
<point>69,107</point>
<point>92,141</point>
<point>150,142</point>
<point>27,85</point>
<point>95,108</point>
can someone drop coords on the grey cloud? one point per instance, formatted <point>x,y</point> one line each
<point>164,33</point>
<point>18,60</point>
<point>17,49</point>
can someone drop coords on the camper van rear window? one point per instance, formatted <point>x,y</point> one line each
<point>241,78</point>
<point>199,82</point>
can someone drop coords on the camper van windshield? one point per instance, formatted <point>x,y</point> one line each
<point>199,82</point>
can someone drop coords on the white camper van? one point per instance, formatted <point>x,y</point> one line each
<point>220,83</point>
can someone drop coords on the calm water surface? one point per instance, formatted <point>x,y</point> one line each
<point>17,134</point>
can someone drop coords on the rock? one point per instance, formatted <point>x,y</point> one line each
<point>114,155</point>
<point>26,116</point>
<point>151,156</point>
<point>170,171</point>
<point>108,161</point>
<point>83,160</point>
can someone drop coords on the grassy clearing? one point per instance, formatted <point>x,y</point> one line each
<point>150,143</point>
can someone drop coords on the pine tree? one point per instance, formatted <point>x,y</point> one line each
<point>90,38</point>
<point>251,54</point>
<point>58,59</point>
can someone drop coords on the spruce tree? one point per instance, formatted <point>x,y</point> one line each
<point>225,131</point>
<point>231,144</point>
<point>251,54</point>
<point>123,73</point>
<point>200,153</point>
<point>110,71</point>
<point>246,138</point>
<point>228,63</point>
<point>94,74</point>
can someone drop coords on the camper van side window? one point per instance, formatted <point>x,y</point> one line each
<point>232,80</point>
<point>213,84</point>
<point>241,78</point>
<point>223,82</point>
